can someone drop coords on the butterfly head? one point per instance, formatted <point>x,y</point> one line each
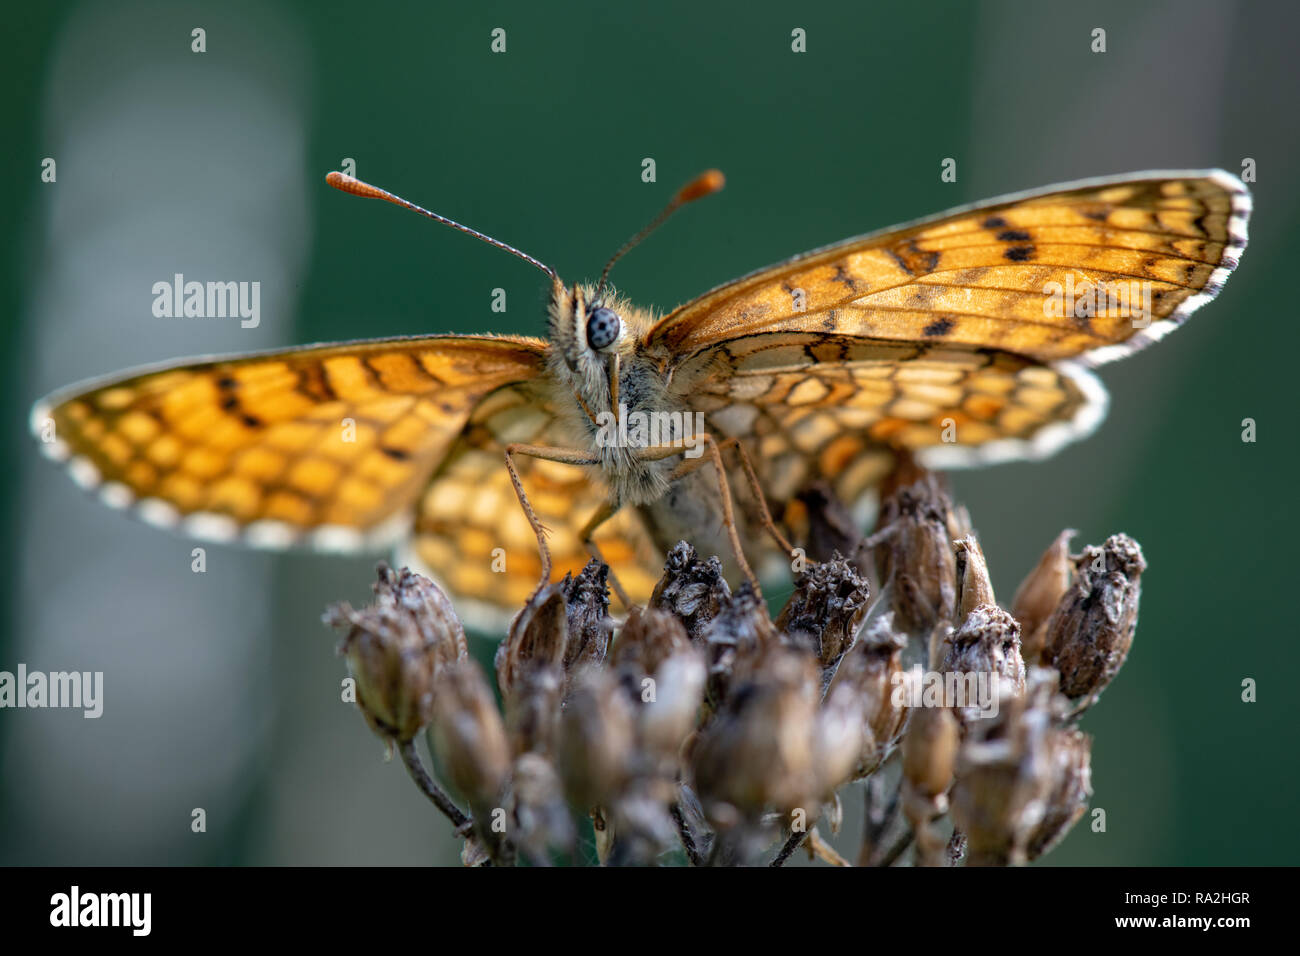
<point>591,334</point>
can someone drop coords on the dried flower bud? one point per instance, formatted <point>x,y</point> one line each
<point>1006,773</point>
<point>758,750</point>
<point>872,669</point>
<point>824,612</point>
<point>469,736</point>
<point>914,554</point>
<point>597,739</point>
<point>536,806</point>
<point>735,641</point>
<point>537,638</point>
<point>988,642</point>
<point>692,590</point>
<point>533,711</point>
<point>1071,756</point>
<point>929,753</point>
<point>1040,593</point>
<point>1090,632</point>
<point>973,585</point>
<point>647,639</point>
<point>838,738</point>
<point>589,624</point>
<point>670,706</point>
<point>397,647</point>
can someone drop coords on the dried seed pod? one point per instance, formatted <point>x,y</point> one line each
<point>838,738</point>
<point>397,647</point>
<point>758,750</point>
<point>735,640</point>
<point>1071,756</point>
<point>670,706</point>
<point>469,736</point>
<point>1005,774</point>
<point>929,753</point>
<point>589,626</point>
<point>692,590</point>
<point>873,669</point>
<point>533,711</point>
<point>988,642</point>
<point>647,639</point>
<point>537,638</point>
<point>537,809</point>
<point>914,554</point>
<point>1040,593</point>
<point>597,740</point>
<point>1090,632</point>
<point>973,585</point>
<point>824,612</point>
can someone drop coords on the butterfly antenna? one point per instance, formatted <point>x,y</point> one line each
<point>356,187</point>
<point>705,184</point>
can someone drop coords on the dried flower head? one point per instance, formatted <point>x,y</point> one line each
<point>824,612</point>
<point>1010,777</point>
<point>735,641</point>
<point>469,736</point>
<point>873,670</point>
<point>700,723</point>
<point>586,600</point>
<point>597,740</point>
<point>397,647</point>
<point>1090,632</point>
<point>757,752</point>
<point>691,589</point>
<point>537,638</point>
<point>988,642</point>
<point>914,554</point>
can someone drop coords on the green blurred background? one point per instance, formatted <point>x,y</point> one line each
<point>222,688</point>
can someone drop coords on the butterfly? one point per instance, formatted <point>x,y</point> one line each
<point>502,462</point>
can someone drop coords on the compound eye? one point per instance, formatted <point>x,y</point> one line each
<point>603,328</point>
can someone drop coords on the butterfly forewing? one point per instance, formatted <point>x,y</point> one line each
<point>332,441</point>
<point>983,276</point>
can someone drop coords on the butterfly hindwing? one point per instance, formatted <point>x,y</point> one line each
<point>471,533</point>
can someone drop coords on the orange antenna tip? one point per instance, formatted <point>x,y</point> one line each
<point>706,184</point>
<point>354,186</point>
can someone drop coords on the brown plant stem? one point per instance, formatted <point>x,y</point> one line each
<point>426,783</point>
<point>684,834</point>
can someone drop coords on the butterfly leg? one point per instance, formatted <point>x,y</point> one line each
<point>564,456</point>
<point>602,514</point>
<point>689,465</point>
<point>751,476</point>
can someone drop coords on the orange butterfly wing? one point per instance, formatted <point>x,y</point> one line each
<point>978,276</point>
<point>325,445</point>
<point>936,337</point>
